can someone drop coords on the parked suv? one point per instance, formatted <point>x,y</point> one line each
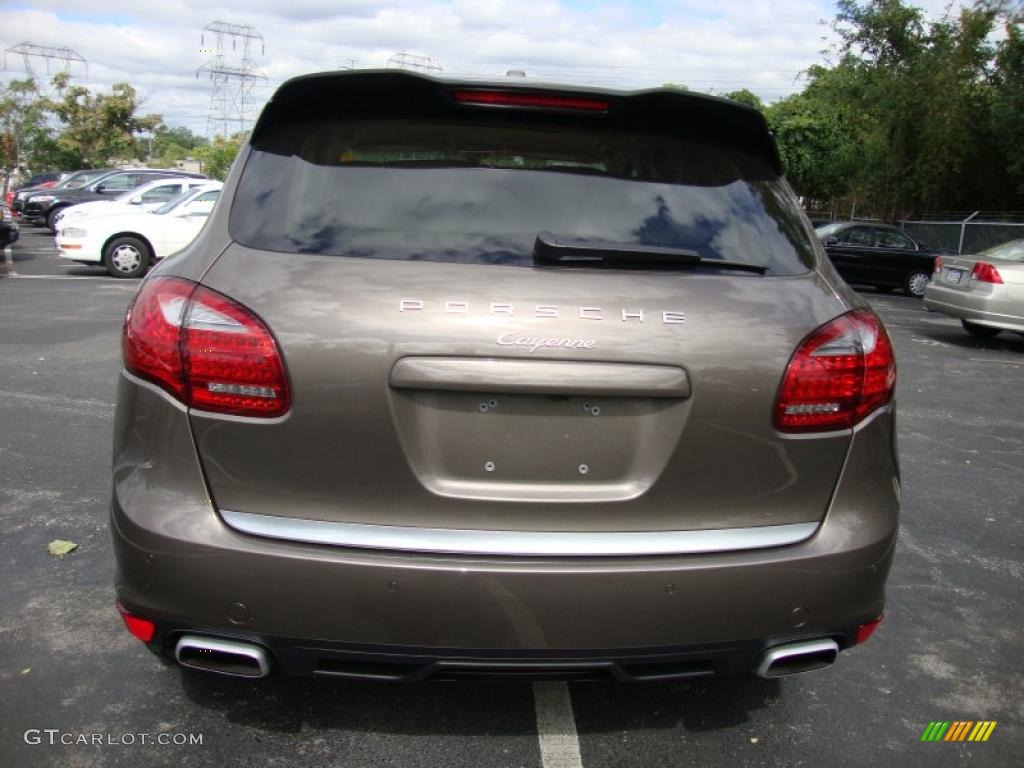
<point>71,181</point>
<point>480,379</point>
<point>43,207</point>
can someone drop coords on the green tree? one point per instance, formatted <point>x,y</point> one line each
<point>219,154</point>
<point>1008,102</point>
<point>98,128</point>
<point>817,148</point>
<point>744,96</point>
<point>915,101</point>
<point>27,136</point>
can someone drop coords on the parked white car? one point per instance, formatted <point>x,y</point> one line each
<point>148,197</point>
<point>128,243</point>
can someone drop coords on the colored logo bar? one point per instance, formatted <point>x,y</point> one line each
<point>959,730</point>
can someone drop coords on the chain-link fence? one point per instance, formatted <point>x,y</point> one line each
<point>969,234</point>
<point>957,232</point>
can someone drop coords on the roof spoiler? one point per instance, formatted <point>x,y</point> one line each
<point>388,92</point>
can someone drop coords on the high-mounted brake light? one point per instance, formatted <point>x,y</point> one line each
<point>205,349</point>
<point>838,375</point>
<point>534,100</point>
<point>984,272</point>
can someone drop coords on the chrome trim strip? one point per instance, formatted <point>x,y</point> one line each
<point>517,543</point>
<point>549,377</point>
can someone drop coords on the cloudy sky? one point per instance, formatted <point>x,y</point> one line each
<point>710,45</point>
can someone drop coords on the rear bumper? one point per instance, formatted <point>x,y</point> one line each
<point>984,309</point>
<point>407,664</point>
<point>315,606</point>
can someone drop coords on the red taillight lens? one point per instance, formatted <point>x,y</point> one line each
<point>864,631</point>
<point>144,629</point>
<point>984,272</point>
<point>152,332</point>
<point>205,349</point>
<point>938,264</point>
<point>838,375</point>
<point>535,100</point>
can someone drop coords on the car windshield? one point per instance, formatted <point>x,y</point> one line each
<point>829,229</point>
<point>1011,251</point>
<point>481,192</point>
<point>80,179</point>
<point>174,202</point>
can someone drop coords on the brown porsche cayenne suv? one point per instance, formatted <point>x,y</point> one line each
<point>496,379</point>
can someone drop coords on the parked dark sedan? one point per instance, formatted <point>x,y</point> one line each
<point>879,255</point>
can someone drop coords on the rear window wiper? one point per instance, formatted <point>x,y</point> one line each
<point>549,250</point>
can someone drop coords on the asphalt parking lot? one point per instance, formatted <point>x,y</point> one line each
<point>951,647</point>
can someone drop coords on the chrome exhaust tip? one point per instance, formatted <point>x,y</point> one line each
<point>794,658</point>
<point>225,657</point>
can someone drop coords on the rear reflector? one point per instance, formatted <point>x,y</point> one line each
<point>144,629</point>
<point>984,272</point>
<point>208,351</point>
<point>864,631</point>
<point>534,100</point>
<point>838,375</point>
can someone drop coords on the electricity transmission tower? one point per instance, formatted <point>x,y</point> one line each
<point>31,53</point>
<point>233,74</point>
<point>409,61</point>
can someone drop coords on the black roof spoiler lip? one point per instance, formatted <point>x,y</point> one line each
<point>517,84</point>
<point>730,110</point>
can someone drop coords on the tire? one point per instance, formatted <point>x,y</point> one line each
<point>980,331</point>
<point>51,217</point>
<point>915,283</point>
<point>126,257</point>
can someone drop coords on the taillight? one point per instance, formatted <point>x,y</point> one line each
<point>938,264</point>
<point>984,272</point>
<point>864,631</point>
<point>143,629</point>
<point>838,375</point>
<point>535,100</point>
<point>208,351</point>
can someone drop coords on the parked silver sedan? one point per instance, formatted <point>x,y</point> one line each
<point>986,290</point>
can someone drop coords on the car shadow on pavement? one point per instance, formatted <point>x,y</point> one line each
<point>289,705</point>
<point>1007,341</point>
<point>704,705</point>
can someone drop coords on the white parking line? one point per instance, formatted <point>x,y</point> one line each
<point>556,726</point>
<point>114,280</point>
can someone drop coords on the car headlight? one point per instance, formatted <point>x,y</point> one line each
<point>42,199</point>
<point>73,232</point>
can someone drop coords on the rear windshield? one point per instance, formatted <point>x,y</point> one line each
<point>481,192</point>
